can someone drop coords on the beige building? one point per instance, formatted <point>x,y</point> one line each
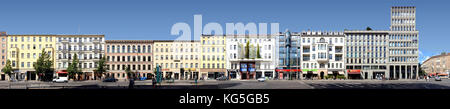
<point>212,57</point>
<point>437,64</point>
<point>179,59</point>
<point>24,50</point>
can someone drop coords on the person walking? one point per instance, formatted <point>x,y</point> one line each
<point>131,84</point>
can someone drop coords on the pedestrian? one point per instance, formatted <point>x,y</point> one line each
<point>131,84</point>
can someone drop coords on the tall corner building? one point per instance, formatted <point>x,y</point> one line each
<point>403,43</point>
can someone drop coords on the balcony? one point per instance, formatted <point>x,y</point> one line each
<point>338,51</point>
<point>306,50</point>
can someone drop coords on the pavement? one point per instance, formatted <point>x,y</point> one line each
<point>236,84</point>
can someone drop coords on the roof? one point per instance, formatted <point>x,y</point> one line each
<point>441,55</point>
<point>128,41</point>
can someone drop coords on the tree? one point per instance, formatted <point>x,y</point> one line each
<point>368,29</point>
<point>258,55</point>
<point>43,66</point>
<point>101,67</point>
<point>7,69</point>
<point>128,71</point>
<point>74,68</point>
<point>421,71</point>
<point>247,50</point>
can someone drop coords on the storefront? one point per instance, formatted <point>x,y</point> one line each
<point>232,74</point>
<point>268,74</point>
<point>354,74</point>
<point>247,70</point>
<point>288,73</point>
<point>310,73</point>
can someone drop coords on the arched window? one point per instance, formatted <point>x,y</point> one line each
<point>107,49</point>
<point>143,49</point>
<point>128,49</point>
<point>113,49</point>
<point>123,48</point>
<point>139,49</point>
<point>322,39</point>
<point>118,48</point>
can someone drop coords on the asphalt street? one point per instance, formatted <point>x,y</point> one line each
<point>237,84</point>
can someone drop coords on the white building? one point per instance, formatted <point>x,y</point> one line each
<point>89,50</point>
<point>322,54</point>
<point>243,64</point>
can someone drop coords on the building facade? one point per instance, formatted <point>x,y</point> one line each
<point>288,56</point>
<point>322,54</point>
<point>367,54</point>
<point>179,59</point>
<point>251,56</point>
<point>24,50</point>
<point>134,54</point>
<point>212,57</point>
<point>439,64</point>
<point>88,48</point>
<point>403,43</point>
<point>3,54</point>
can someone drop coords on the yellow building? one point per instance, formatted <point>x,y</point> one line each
<point>24,50</point>
<point>178,59</point>
<point>213,57</point>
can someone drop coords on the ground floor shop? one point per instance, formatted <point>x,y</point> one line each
<point>181,74</point>
<point>292,73</point>
<point>315,74</point>
<point>211,74</point>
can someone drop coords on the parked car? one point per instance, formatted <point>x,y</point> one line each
<point>262,79</point>
<point>61,80</point>
<point>110,80</point>
<point>222,78</point>
<point>437,78</point>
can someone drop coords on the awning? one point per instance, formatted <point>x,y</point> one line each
<point>442,74</point>
<point>354,71</point>
<point>62,72</point>
<point>288,70</point>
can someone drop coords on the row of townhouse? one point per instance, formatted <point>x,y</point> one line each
<point>355,54</point>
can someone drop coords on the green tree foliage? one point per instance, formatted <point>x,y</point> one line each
<point>129,72</point>
<point>258,55</point>
<point>368,29</point>
<point>7,69</point>
<point>101,67</point>
<point>247,50</point>
<point>73,68</point>
<point>43,66</point>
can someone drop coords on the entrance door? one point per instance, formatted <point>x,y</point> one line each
<point>3,76</point>
<point>321,75</point>
<point>365,75</point>
<point>243,75</point>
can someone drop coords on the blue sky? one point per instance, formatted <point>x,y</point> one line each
<point>153,19</point>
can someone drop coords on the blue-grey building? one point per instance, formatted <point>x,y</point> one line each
<point>289,56</point>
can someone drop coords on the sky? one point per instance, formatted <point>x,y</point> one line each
<point>153,19</point>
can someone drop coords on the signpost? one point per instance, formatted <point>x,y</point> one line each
<point>158,74</point>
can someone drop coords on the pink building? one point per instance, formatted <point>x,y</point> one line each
<point>135,54</point>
